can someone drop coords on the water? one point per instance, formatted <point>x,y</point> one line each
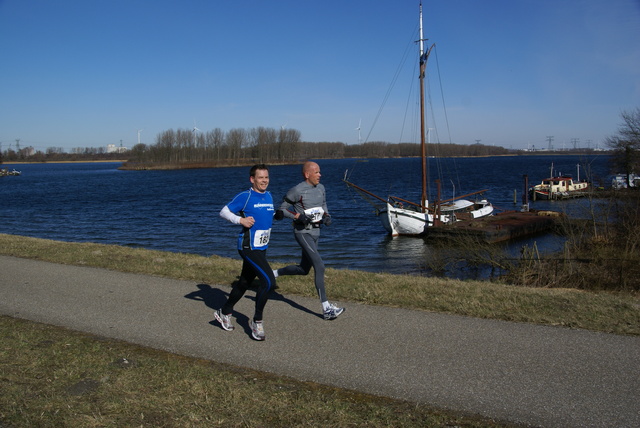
<point>177,211</point>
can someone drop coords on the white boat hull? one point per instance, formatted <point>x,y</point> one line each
<point>401,221</point>
<point>483,212</point>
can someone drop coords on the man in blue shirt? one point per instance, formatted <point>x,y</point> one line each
<point>253,210</point>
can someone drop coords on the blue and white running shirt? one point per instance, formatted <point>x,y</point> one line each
<point>259,206</point>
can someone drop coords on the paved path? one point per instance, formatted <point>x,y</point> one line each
<point>543,376</point>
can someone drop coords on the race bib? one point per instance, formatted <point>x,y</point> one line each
<point>315,214</point>
<point>261,238</point>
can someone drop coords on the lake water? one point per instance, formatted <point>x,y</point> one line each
<point>178,211</point>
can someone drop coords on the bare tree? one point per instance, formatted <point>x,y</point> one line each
<point>215,142</point>
<point>138,152</point>
<point>626,143</point>
<point>288,144</point>
<point>236,141</point>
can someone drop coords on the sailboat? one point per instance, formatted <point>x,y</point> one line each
<point>402,217</point>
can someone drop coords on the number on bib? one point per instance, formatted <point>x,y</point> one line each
<point>315,214</point>
<point>261,238</point>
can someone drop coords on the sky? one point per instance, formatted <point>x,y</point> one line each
<point>87,73</point>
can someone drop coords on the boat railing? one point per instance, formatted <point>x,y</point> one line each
<point>395,200</point>
<point>464,196</point>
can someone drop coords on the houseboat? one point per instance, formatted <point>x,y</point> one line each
<point>562,187</point>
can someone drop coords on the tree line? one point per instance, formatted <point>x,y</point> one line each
<point>626,143</point>
<point>268,145</point>
<point>272,146</point>
<point>186,147</point>
<point>53,154</point>
<point>233,147</point>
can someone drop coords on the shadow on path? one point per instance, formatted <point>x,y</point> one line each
<point>214,298</point>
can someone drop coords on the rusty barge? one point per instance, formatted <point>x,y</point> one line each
<point>500,227</point>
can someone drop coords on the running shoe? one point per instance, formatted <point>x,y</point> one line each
<point>257,330</point>
<point>332,312</point>
<point>224,320</point>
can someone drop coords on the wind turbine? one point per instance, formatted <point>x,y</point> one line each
<point>195,132</point>
<point>358,129</point>
<point>139,131</point>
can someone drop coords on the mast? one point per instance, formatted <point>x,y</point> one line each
<point>423,147</point>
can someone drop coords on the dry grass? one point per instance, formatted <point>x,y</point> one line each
<point>601,311</point>
<point>52,377</point>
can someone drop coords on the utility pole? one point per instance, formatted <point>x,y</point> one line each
<point>575,142</point>
<point>550,140</point>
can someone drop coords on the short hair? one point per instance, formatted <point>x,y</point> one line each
<point>254,168</point>
<point>307,166</point>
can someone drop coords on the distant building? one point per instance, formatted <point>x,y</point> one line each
<point>112,148</point>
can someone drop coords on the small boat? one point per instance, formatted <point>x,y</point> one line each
<point>559,187</point>
<point>5,172</point>
<point>620,181</point>
<point>402,217</point>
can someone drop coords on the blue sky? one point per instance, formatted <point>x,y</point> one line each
<point>87,73</point>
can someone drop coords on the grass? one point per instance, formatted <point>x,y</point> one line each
<point>599,311</point>
<point>50,376</point>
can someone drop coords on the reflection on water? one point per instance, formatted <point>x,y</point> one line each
<point>411,252</point>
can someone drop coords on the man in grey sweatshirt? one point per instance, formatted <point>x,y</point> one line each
<point>306,205</point>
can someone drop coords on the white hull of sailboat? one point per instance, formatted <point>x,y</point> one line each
<point>485,210</point>
<point>402,221</point>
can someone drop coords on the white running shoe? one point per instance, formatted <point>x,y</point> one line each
<point>257,330</point>
<point>224,320</point>
<point>332,312</point>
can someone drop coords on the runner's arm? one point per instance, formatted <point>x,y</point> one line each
<point>226,214</point>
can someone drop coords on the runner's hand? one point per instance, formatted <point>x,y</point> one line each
<point>303,219</point>
<point>247,222</point>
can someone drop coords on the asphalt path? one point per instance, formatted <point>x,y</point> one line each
<point>516,372</point>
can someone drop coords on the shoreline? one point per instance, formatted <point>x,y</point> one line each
<point>68,161</point>
<point>203,165</point>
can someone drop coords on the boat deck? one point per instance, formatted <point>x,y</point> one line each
<point>500,227</point>
<point>555,196</point>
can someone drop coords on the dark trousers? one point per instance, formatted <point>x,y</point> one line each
<point>310,258</point>
<point>254,263</point>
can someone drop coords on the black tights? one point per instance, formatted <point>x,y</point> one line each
<point>254,263</point>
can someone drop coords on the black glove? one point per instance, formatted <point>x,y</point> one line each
<point>303,220</point>
<point>327,220</point>
<point>279,215</point>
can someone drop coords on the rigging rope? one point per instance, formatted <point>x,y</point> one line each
<point>389,90</point>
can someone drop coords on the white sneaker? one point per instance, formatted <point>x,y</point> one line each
<point>332,312</point>
<point>257,330</point>
<point>224,320</point>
